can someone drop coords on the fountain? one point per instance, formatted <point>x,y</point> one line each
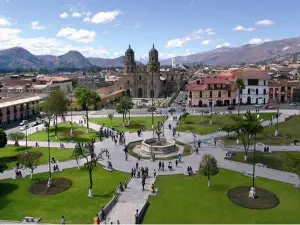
<point>161,147</point>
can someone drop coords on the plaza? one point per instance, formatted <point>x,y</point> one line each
<point>178,196</point>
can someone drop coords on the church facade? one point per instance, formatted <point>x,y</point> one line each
<point>141,81</point>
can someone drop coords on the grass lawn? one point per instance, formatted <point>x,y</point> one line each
<point>16,202</point>
<point>271,160</point>
<point>200,124</point>
<point>136,123</point>
<point>10,154</point>
<point>63,134</point>
<point>186,200</point>
<point>289,131</point>
<point>187,150</point>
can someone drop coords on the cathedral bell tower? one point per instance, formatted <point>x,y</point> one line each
<point>153,60</point>
<point>129,63</point>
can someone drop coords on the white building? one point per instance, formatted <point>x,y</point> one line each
<point>173,62</point>
<point>256,86</point>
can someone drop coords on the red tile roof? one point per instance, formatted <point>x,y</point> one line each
<point>273,83</point>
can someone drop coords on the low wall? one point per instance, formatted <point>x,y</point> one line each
<point>142,213</point>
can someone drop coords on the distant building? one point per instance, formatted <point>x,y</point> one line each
<point>173,62</point>
<point>209,91</point>
<point>282,90</point>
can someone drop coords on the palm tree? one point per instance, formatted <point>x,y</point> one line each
<point>239,85</point>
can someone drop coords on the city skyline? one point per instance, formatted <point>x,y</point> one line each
<point>106,28</point>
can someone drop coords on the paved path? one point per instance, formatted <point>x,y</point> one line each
<point>133,198</point>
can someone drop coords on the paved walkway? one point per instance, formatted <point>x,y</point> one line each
<point>134,198</point>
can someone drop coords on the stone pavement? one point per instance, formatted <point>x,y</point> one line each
<point>134,198</point>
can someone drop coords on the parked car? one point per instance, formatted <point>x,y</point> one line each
<point>257,106</point>
<point>267,106</point>
<point>293,104</point>
<point>231,107</point>
<point>157,111</point>
<point>172,110</point>
<point>151,109</point>
<point>24,122</point>
<point>36,123</point>
<point>24,128</point>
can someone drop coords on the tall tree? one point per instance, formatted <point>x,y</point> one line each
<point>110,116</point>
<point>88,153</point>
<point>208,167</point>
<point>248,127</point>
<point>29,161</point>
<point>86,97</point>
<point>239,85</point>
<point>58,104</point>
<point>124,106</point>
<point>16,137</point>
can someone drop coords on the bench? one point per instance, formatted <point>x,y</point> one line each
<point>248,174</point>
<point>153,193</point>
<point>187,174</point>
<point>29,219</point>
<point>261,165</point>
<point>296,185</point>
<point>109,169</point>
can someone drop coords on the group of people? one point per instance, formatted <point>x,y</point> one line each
<point>61,145</point>
<point>139,131</point>
<point>190,170</point>
<point>18,173</point>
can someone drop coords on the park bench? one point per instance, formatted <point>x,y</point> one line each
<point>187,174</point>
<point>247,174</point>
<point>261,165</point>
<point>29,219</point>
<point>296,185</point>
<point>229,154</point>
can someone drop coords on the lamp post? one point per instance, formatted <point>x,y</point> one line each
<point>277,115</point>
<point>49,184</point>
<point>211,105</point>
<point>26,135</point>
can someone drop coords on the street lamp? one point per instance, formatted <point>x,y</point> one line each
<point>252,192</point>
<point>277,115</point>
<point>49,184</point>
<point>211,105</point>
<point>26,135</point>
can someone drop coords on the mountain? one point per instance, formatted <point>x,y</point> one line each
<point>249,53</point>
<point>74,59</point>
<point>101,62</point>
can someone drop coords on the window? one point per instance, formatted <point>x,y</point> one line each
<point>256,91</point>
<point>219,94</point>
<point>264,82</point>
<point>265,91</point>
<point>132,68</point>
<point>210,94</point>
<point>200,94</point>
<point>140,77</point>
<point>249,91</point>
<point>128,82</point>
<point>252,82</point>
<point>241,91</point>
<point>198,82</point>
<point>229,94</point>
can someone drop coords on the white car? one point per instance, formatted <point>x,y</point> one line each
<point>157,111</point>
<point>24,128</point>
<point>24,122</point>
<point>293,104</point>
<point>257,106</point>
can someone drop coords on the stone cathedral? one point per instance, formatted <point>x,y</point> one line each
<point>138,81</point>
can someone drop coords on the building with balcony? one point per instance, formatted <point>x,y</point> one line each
<point>211,91</point>
<point>18,108</point>
<point>256,84</point>
<point>282,90</point>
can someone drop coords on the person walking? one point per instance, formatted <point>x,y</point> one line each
<point>143,183</point>
<point>63,220</point>
<point>154,173</point>
<point>136,217</point>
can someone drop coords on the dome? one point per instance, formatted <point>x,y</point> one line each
<point>129,51</point>
<point>153,51</point>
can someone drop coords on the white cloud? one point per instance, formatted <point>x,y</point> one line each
<point>206,42</point>
<point>264,22</point>
<point>195,35</point>
<point>226,44</point>
<point>35,25</point>
<point>63,15</point>
<point>257,41</point>
<point>117,54</point>
<point>44,46</point>
<point>81,35</point>
<point>87,19</point>
<point>136,26</point>
<point>76,14</point>
<point>8,34</point>
<point>105,17</point>
<point>116,25</point>
<point>241,28</point>
<point>87,14</point>
<point>4,22</point>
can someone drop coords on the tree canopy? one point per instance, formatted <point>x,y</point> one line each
<point>86,97</point>
<point>208,166</point>
<point>3,138</point>
<point>16,137</point>
<point>124,106</point>
<point>292,163</point>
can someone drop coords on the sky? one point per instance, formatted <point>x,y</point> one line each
<point>105,28</point>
